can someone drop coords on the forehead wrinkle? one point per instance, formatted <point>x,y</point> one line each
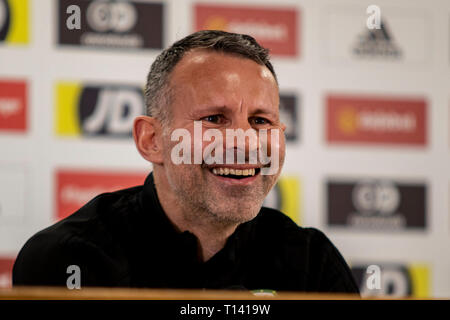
<point>197,75</point>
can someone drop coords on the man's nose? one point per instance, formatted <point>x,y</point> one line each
<point>250,137</point>
<point>241,122</point>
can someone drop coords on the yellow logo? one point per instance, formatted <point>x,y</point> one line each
<point>347,120</point>
<point>290,194</point>
<point>285,197</point>
<point>14,21</point>
<point>216,23</point>
<point>67,96</point>
<point>398,280</point>
<point>420,277</point>
<point>97,109</point>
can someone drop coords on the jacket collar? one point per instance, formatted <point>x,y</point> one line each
<point>185,244</point>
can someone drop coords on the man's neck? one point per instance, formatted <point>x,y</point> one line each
<point>211,234</point>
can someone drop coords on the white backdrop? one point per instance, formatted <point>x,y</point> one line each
<point>29,160</point>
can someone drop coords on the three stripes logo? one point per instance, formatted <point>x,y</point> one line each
<point>14,21</point>
<point>377,43</point>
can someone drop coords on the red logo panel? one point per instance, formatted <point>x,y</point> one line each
<point>13,105</point>
<point>76,188</point>
<point>359,119</point>
<point>6,266</point>
<point>273,28</point>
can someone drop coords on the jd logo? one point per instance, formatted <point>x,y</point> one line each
<point>74,280</point>
<point>110,110</point>
<point>117,16</point>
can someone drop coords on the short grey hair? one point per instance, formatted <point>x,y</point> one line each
<point>158,92</point>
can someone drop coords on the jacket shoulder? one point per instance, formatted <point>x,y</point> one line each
<point>326,268</point>
<point>42,259</point>
<point>87,239</point>
<point>275,222</point>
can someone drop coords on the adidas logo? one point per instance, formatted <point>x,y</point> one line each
<point>377,43</point>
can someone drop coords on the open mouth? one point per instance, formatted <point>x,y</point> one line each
<point>235,173</point>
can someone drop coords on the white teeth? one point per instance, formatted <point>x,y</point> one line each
<point>235,172</point>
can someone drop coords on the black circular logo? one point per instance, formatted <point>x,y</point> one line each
<point>5,19</point>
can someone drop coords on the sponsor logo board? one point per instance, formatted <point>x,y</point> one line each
<point>285,196</point>
<point>401,38</point>
<point>289,116</point>
<point>113,24</point>
<point>6,266</point>
<point>377,43</point>
<point>13,105</point>
<point>273,27</point>
<point>382,205</point>
<point>96,110</point>
<point>376,120</point>
<point>397,280</point>
<point>75,188</point>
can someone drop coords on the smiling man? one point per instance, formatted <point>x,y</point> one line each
<point>198,222</point>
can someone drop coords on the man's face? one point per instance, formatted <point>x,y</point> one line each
<point>222,91</point>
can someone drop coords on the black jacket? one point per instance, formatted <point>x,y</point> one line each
<point>124,239</point>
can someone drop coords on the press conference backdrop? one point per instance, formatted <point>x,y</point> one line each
<point>366,103</point>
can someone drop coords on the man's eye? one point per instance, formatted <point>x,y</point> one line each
<point>217,118</point>
<point>260,121</point>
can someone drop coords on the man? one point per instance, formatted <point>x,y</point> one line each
<point>196,223</point>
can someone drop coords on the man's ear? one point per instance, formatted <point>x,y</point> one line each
<point>147,134</point>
